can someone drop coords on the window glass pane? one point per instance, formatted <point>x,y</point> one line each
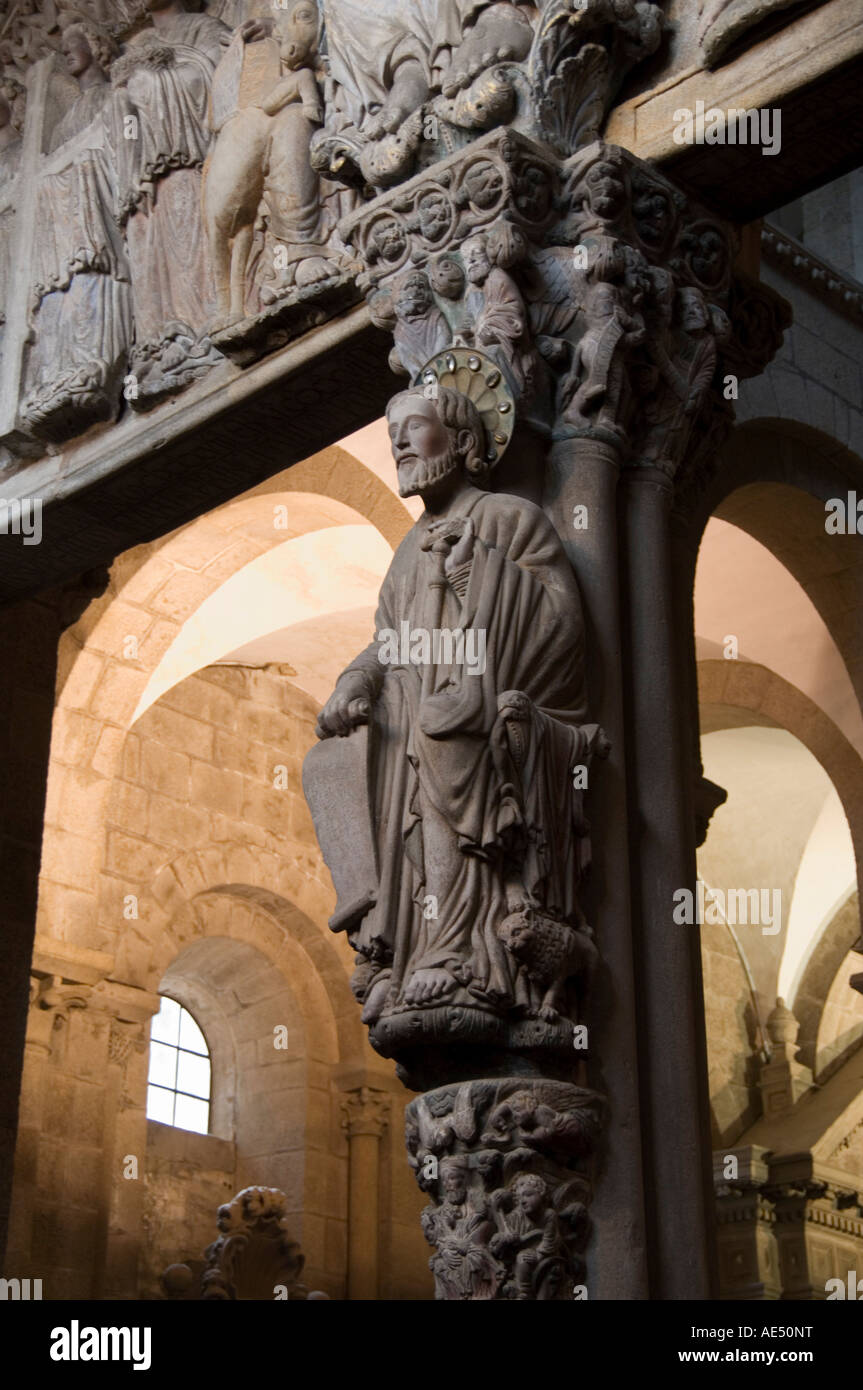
<point>192,1114</point>
<point>191,1036</point>
<point>193,1075</point>
<point>163,1064</point>
<point>166,1023</point>
<point>160,1105</point>
<point>174,1069</point>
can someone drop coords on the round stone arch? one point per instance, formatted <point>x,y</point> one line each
<point>773,479</point>
<point>269,1020</point>
<point>819,977</point>
<point>153,591</point>
<point>733,693</point>
<point>228,891</point>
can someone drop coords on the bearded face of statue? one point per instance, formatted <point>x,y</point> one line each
<point>476,260</point>
<point>413,297</point>
<point>424,449</point>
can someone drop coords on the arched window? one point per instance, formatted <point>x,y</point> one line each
<point>178,1085</point>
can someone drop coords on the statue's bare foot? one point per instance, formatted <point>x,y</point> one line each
<point>425,986</point>
<point>313,270</point>
<point>376,998</point>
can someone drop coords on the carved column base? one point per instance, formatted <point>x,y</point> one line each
<point>507,1165</point>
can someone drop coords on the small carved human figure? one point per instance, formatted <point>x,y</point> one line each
<point>82,324</point>
<point>496,308</point>
<point>529,1237</point>
<point>158,135</point>
<point>599,358</point>
<point>448,281</point>
<point>462,1228</point>
<point>12,103</point>
<point>259,168</point>
<point>421,329</point>
<point>686,372</point>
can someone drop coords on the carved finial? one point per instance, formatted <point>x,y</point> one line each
<point>782,1026</point>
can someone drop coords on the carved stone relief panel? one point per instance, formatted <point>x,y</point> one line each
<point>410,81</point>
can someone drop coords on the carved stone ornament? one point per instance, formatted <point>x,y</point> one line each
<point>506,1164</point>
<point>366,1112</point>
<point>410,81</point>
<point>606,298</point>
<point>254,1257</point>
<point>82,306</point>
<point>175,214</point>
<point>724,25</point>
<point>270,216</point>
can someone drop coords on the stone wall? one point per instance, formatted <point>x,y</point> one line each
<point>207,849</point>
<point>187,1178</point>
<point>732,1036</point>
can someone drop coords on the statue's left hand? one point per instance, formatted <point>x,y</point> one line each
<point>458,533</point>
<point>254,29</point>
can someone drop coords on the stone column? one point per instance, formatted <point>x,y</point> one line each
<point>710,340</point>
<point>365,1119</point>
<point>49,1003</point>
<point>544,280</point>
<point>85,1114</point>
<point>584,472</point>
<point>670,968</point>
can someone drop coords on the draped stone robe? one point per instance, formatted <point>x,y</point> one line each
<point>159,172</point>
<point>367,40</point>
<point>82,297</point>
<point>463,818</point>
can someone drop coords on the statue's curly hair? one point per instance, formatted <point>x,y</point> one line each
<point>101,45</point>
<point>458,412</point>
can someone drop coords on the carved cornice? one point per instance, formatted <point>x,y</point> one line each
<point>842,292</point>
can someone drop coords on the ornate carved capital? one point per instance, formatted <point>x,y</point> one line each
<point>366,1112</point>
<point>606,297</point>
<point>51,1000</point>
<point>507,1167</point>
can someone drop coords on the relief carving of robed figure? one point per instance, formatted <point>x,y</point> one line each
<point>82,297</point>
<point>443,790</point>
<point>159,137</point>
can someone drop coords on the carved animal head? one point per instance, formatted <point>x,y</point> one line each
<point>298,33</point>
<point>517,930</point>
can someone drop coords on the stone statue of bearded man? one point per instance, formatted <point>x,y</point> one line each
<point>471,935</point>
